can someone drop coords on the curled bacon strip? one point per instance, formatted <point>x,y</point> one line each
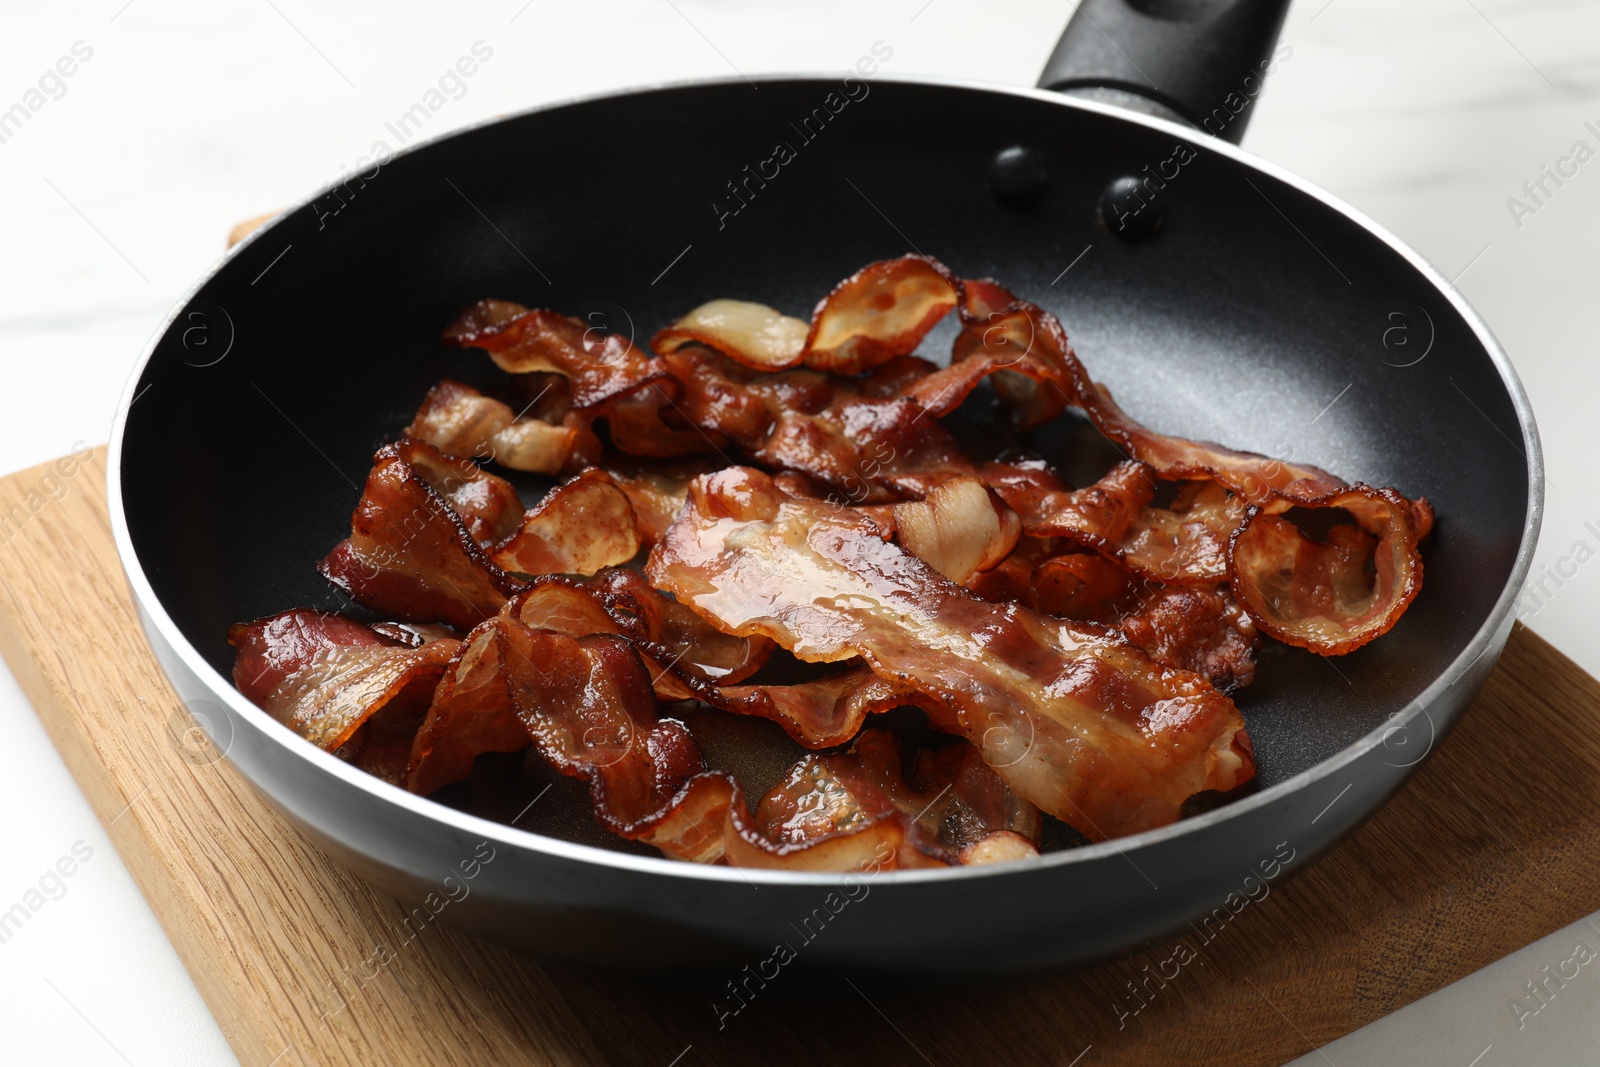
<point>488,505</point>
<point>656,493</point>
<point>1073,717</point>
<point>598,365</point>
<point>470,714</point>
<point>849,810</point>
<point>566,606</point>
<point>674,634</point>
<point>753,334</point>
<point>1187,542</point>
<point>410,554</point>
<point>1097,516</point>
<point>1335,594</point>
<point>1256,478</point>
<point>460,420</point>
<point>881,311</point>
<point>324,676</point>
<point>868,447</point>
<point>820,713</point>
<point>582,525</point>
<point>1196,629</point>
<point>958,529</point>
<point>585,705</point>
<point>1021,345</point>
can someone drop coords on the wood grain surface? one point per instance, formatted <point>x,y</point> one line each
<point>1493,844</point>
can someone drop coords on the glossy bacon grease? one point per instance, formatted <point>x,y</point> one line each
<point>765,516</point>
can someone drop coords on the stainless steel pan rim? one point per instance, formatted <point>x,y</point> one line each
<point>423,808</point>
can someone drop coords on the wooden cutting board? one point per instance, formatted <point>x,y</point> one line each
<point>1496,842</point>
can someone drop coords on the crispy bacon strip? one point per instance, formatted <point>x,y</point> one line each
<point>958,529</point>
<point>1196,629</point>
<point>585,705</point>
<point>677,645</point>
<point>752,334</point>
<point>324,676</point>
<point>488,505</point>
<point>676,635</point>
<point>1082,586</point>
<point>1256,478</point>
<point>1097,516</point>
<point>410,555</point>
<point>470,714</point>
<point>1187,542</point>
<point>1074,718</point>
<point>1335,594</point>
<point>588,706</point>
<point>848,810</point>
<point>657,493</point>
<point>868,447</point>
<point>1192,628</point>
<point>819,714</point>
<point>1019,344</point>
<point>598,366</point>
<point>881,311</point>
<point>582,525</point>
<point>463,422</point>
<point>1184,543</point>
<point>566,606</point>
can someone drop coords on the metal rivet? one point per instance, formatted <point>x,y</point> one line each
<point>1131,210</point>
<point>1018,177</point>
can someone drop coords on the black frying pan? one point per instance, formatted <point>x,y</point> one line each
<point>1260,312</point>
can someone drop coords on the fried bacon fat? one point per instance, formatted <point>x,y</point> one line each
<point>768,516</point>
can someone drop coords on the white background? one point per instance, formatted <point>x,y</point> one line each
<point>1426,114</point>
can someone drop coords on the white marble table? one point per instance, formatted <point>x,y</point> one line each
<point>180,118</point>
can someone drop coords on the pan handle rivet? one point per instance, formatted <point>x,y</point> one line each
<point>1018,177</point>
<point>1131,210</point>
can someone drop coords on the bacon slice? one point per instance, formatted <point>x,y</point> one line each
<point>324,676</point>
<point>587,705</point>
<point>488,505</point>
<point>470,714</point>
<point>1258,479</point>
<point>881,311</point>
<point>1074,718</point>
<point>819,714</point>
<point>1019,344</point>
<point>852,810</point>
<point>657,493</point>
<point>959,529</point>
<point>598,366</point>
<point>582,525</point>
<point>1335,594</point>
<point>1097,516</point>
<point>1187,542</point>
<point>753,334</point>
<point>1082,586</point>
<point>566,606</point>
<point>869,447</point>
<point>463,422</point>
<point>675,635</point>
<point>409,554</point>
<point>1196,629</point>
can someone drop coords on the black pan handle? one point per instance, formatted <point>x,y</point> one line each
<point>1200,61</point>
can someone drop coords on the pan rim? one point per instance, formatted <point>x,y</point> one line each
<point>295,747</point>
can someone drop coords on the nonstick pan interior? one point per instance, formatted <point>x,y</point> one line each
<point>1258,316</point>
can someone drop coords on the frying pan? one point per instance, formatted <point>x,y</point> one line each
<point>1260,312</point>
